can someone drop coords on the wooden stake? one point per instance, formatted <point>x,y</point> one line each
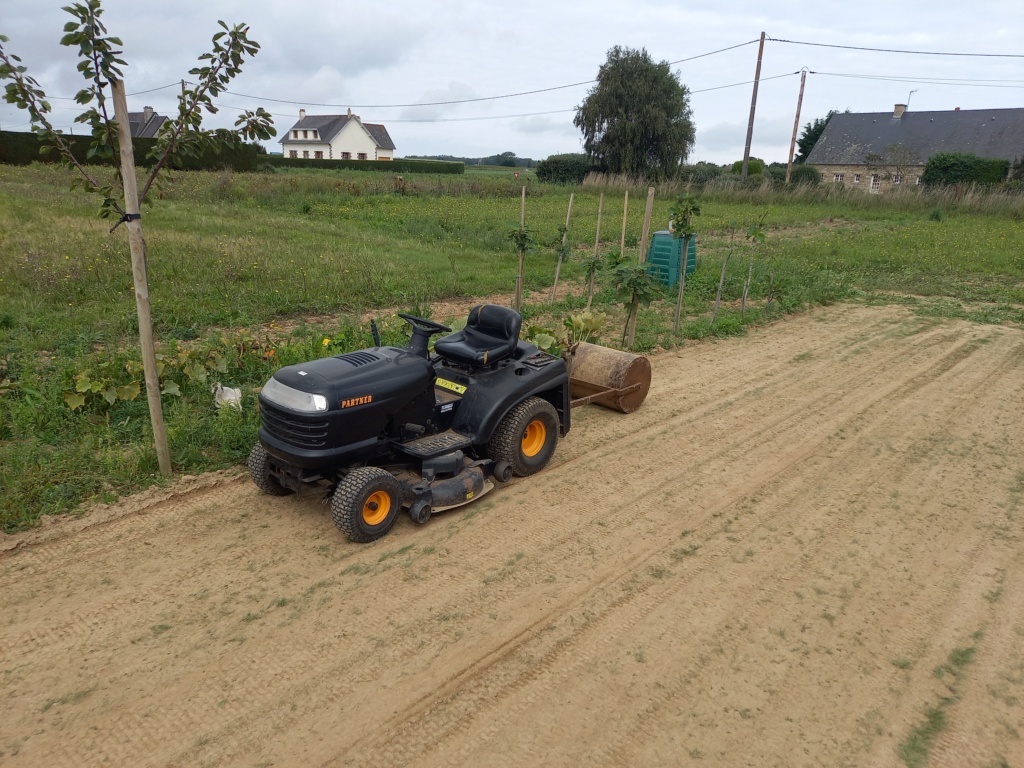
<point>138,249</point>
<point>647,225</point>
<point>597,242</point>
<point>625,210</point>
<point>522,254</point>
<point>561,252</point>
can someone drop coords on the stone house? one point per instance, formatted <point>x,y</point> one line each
<point>337,137</point>
<point>878,150</point>
<point>145,124</point>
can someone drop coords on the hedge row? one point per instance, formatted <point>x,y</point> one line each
<point>564,169</point>
<point>397,166</point>
<point>963,167</point>
<point>24,148</point>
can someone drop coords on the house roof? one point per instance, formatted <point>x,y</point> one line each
<point>144,125</point>
<point>329,126</point>
<point>850,137</point>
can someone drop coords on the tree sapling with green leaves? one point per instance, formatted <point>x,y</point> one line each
<point>681,216</point>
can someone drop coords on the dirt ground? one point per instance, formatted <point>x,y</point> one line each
<point>804,550</point>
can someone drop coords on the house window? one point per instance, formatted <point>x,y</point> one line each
<point>318,155</point>
<point>315,136</point>
<point>856,178</point>
<point>917,181</point>
<point>292,153</point>
<point>897,179</point>
<point>305,134</point>
<point>876,182</point>
<point>346,155</point>
<point>305,153</point>
<point>362,155</point>
<point>295,134</point>
<point>837,177</point>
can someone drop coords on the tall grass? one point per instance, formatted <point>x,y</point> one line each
<point>260,269</point>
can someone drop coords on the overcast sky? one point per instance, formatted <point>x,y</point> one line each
<point>376,57</point>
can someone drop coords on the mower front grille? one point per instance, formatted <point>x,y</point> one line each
<point>301,434</point>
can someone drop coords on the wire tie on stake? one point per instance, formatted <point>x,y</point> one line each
<point>125,219</point>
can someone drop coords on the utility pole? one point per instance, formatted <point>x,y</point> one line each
<point>138,249</point>
<point>753,106</point>
<point>796,123</point>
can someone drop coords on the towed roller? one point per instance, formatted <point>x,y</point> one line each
<point>609,377</point>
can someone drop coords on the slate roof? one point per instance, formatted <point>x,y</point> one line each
<point>849,138</point>
<point>329,126</point>
<point>144,125</point>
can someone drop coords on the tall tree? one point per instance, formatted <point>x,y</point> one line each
<point>637,119</point>
<point>812,132</point>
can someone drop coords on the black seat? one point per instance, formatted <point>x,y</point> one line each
<point>491,334</point>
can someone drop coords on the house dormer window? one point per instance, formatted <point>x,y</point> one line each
<point>295,134</point>
<point>315,136</point>
<point>305,134</point>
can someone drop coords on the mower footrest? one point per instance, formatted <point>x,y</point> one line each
<point>436,445</point>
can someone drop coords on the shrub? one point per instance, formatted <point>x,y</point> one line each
<point>564,169</point>
<point>963,168</point>
<point>754,166</point>
<point>400,165</point>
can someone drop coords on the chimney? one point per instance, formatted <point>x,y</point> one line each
<point>302,114</point>
<point>899,110</point>
<point>350,111</point>
<point>147,114</point>
<point>957,109</point>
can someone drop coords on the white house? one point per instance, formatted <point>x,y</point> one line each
<point>337,137</point>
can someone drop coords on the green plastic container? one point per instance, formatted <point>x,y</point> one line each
<point>664,257</point>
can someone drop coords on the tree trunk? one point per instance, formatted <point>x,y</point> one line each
<point>746,286</point>
<point>682,284</point>
<point>718,296</point>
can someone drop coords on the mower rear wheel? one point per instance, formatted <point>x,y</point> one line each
<point>366,503</point>
<point>526,437</point>
<point>259,471</point>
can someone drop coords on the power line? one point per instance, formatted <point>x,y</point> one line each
<point>896,50</point>
<point>468,101</point>
<point>960,82</point>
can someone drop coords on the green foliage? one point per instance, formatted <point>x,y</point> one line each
<point>811,133</point>
<point>681,213</point>
<point>564,169</point>
<point>100,66</point>
<point>755,165</point>
<point>584,326</point>
<point>963,168</point>
<point>805,174</point>
<point>637,118</point>
<point>699,173</point>
<point>400,165</point>
<point>26,148</point>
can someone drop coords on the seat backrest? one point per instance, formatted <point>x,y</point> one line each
<point>500,323</point>
<point>491,334</point>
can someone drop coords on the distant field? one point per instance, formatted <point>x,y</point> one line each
<point>247,272</point>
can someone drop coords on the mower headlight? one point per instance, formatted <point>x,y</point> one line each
<point>289,397</point>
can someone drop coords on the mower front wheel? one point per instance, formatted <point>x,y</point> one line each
<point>259,471</point>
<point>526,437</point>
<point>366,503</point>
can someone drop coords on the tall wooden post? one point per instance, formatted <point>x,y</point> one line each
<point>796,123</point>
<point>644,238</point>
<point>138,249</point>
<point>522,254</point>
<point>561,252</point>
<point>753,106</point>
<point>625,210</point>
<point>597,243</point>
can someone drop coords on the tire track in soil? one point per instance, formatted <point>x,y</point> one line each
<point>490,653</point>
<point>473,707</point>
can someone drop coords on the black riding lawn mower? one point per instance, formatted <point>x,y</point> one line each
<point>388,427</point>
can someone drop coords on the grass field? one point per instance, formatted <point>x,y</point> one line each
<point>249,272</point>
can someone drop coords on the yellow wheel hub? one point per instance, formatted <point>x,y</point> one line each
<point>376,508</point>
<point>534,437</point>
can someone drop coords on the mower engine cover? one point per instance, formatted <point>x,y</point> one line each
<point>348,406</point>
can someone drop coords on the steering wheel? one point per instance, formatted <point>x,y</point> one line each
<point>422,324</point>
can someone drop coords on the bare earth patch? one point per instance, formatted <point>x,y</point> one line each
<point>806,541</point>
